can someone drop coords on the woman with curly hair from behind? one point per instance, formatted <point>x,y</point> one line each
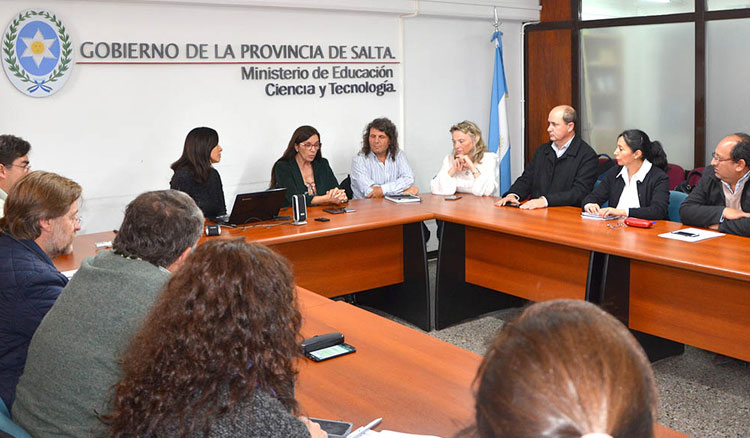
<point>215,357</point>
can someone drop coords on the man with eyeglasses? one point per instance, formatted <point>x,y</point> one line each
<point>721,200</point>
<point>41,219</point>
<point>14,163</point>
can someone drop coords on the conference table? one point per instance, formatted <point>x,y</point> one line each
<point>378,249</point>
<point>416,383</point>
<point>663,289</point>
<point>668,292</point>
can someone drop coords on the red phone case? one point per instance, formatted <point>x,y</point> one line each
<point>640,223</point>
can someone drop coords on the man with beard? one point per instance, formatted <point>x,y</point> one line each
<point>41,219</point>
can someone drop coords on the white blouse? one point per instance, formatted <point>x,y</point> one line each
<point>486,184</point>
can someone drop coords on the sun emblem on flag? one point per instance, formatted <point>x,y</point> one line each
<point>37,53</point>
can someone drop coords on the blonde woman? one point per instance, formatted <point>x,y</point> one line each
<point>469,168</point>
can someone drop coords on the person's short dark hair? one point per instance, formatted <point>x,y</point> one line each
<point>381,124</point>
<point>12,147</point>
<point>741,150</point>
<point>159,226</point>
<point>35,196</point>
<point>565,368</point>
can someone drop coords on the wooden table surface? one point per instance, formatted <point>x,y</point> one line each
<point>417,383</point>
<point>727,256</point>
<point>371,214</point>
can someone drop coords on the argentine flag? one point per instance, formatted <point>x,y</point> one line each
<point>498,138</point>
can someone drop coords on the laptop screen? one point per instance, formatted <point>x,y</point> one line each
<point>256,206</point>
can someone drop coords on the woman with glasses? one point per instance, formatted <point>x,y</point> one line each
<point>206,361</point>
<point>194,173</point>
<point>638,186</point>
<point>302,170</point>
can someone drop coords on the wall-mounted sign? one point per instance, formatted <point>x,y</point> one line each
<point>37,53</point>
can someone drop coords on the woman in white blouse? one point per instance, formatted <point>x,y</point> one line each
<point>469,168</point>
<point>638,186</point>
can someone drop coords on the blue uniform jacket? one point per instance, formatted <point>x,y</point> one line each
<point>29,286</point>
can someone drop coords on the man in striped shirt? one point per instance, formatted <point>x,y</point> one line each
<point>381,168</point>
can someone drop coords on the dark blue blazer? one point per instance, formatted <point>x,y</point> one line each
<point>653,193</point>
<point>29,286</point>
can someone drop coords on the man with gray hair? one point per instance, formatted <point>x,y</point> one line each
<point>74,356</point>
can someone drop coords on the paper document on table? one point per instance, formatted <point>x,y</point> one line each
<point>691,234</point>
<point>596,217</point>
<point>70,273</point>
<point>392,434</point>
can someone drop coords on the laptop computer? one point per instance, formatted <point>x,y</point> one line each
<point>254,207</point>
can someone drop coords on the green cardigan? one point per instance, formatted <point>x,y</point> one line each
<point>288,175</point>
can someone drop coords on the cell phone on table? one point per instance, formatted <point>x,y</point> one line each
<point>330,352</point>
<point>453,197</point>
<point>684,233</point>
<point>335,210</point>
<point>334,429</point>
<point>508,204</point>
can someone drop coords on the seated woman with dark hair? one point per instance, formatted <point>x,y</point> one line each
<point>206,361</point>
<point>194,173</point>
<point>563,369</point>
<point>303,171</point>
<point>638,186</point>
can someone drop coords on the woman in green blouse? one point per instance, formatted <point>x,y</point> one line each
<point>303,171</point>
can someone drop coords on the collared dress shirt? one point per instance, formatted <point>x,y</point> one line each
<point>393,176</point>
<point>629,197</point>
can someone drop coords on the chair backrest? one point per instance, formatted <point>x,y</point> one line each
<point>689,184</point>
<point>605,163</point>
<point>346,185</point>
<point>694,176</point>
<point>675,200</point>
<point>676,175</point>
<point>7,427</point>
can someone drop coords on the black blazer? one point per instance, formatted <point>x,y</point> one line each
<point>653,193</point>
<point>705,205</point>
<point>563,181</point>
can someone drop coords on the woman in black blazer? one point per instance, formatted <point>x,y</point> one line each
<point>638,186</point>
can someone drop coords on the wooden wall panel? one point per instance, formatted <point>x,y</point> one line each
<point>555,10</point>
<point>549,73</point>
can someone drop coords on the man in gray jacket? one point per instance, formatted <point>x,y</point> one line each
<point>73,358</point>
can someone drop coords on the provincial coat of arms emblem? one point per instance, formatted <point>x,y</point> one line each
<point>37,53</point>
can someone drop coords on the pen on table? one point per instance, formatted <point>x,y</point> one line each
<point>361,431</point>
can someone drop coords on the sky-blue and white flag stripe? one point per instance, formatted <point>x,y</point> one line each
<point>498,138</point>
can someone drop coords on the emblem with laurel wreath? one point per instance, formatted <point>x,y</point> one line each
<point>12,64</point>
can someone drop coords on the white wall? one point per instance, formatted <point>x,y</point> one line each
<point>449,64</point>
<point>116,128</point>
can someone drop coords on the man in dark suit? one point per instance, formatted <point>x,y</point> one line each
<point>561,172</point>
<point>721,200</point>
